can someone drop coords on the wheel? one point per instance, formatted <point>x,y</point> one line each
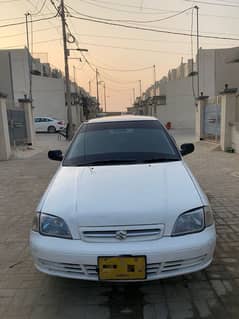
<point>51,129</point>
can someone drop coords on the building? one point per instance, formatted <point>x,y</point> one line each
<point>47,83</point>
<point>173,98</point>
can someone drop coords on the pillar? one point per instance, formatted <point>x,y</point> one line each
<point>27,106</point>
<point>228,117</point>
<point>5,148</point>
<point>199,116</point>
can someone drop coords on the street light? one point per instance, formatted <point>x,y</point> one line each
<point>78,49</point>
<point>103,82</point>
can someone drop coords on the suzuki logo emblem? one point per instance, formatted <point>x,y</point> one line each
<point>121,234</point>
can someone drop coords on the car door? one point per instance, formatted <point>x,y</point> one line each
<point>37,123</point>
<point>43,124</point>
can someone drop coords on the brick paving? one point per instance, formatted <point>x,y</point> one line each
<point>27,294</point>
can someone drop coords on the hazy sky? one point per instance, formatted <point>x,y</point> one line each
<point>115,48</point>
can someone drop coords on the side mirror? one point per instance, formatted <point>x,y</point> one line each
<point>187,148</point>
<point>55,155</point>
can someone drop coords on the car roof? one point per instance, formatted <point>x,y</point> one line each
<point>122,118</point>
<point>44,117</point>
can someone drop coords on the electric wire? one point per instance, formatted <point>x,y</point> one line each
<point>131,21</point>
<point>134,49</point>
<point>40,10</point>
<point>122,10</point>
<point>21,23</point>
<point>24,33</point>
<point>154,30</point>
<point>214,3</point>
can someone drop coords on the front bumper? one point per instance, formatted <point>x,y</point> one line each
<point>166,257</point>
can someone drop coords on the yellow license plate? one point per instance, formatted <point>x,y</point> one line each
<point>122,268</point>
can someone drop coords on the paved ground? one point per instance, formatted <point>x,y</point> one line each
<point>27,294</point>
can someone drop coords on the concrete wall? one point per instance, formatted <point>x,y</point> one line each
<point>5,149</point>
<point>20,73</point>
<point>180,104</point>
<point>216,70</point>
<point>5,75</point>
<point>235,128</point>
<point>49,97</point>
<point>207,72</point>
<point>226,72</point>
<point>14,74</point>
<point>235,137</point>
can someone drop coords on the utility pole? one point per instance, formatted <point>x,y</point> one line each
<point>140,88</point>
<point>133,95</point>
<point>27,31</point>
<point>74,72</point>
<point>29,57</point>
<point>198,75</point>
<point>67,79</point>
<point>154,69</point>
<point>90,87</point>
<point>105,97</point>
<point>97,88</point>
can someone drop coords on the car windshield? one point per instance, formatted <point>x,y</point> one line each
<point>125,142</point>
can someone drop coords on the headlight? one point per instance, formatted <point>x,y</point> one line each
<point>209,220</point>
<point>189,222</point>
<point>36,223</point>
<point>53,226</point>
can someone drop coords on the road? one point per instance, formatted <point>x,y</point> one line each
<point>27,294</point>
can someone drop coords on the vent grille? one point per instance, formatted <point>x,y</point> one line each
<point>120,234</point>
<point>91,271</point>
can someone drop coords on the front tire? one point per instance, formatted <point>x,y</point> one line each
<point>51,129</point>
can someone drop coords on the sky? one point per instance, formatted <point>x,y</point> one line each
<point>123,56</point>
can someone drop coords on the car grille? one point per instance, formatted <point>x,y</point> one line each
<point>91,271</point>
<point>174,266</point>
<point>71,269</point>
<point>121,234</point>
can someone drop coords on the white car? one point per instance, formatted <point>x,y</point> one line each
<point>123,205</point>
<point>48,124</point>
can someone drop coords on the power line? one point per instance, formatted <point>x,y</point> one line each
<point>40,10</point>
<point>158,10</point>
<point>20,18</point>
<point>118,10</point>
<point>123,70</point>
<point>132,21</point>
<point>21,23</point>
<point>38,42</point>
<point>214,3</point>
<point>132,49</point>
<point>153,30</point>
<point>9,1</point>
<point>136,39</point>
<point>23,33</point>
<point>131,6</point>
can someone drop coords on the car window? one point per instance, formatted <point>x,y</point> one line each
<point>36,120</point>
<point>132,141</point>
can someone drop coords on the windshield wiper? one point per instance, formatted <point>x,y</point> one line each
<point>160,160</point>
<point>108,162</point>
<point>122,162</point>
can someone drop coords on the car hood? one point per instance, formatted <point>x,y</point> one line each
<point>121,195</point>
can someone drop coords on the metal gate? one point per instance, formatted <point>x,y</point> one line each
<point>212,122</point>
<point>17,126</point>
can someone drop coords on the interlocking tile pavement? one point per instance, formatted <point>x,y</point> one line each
<point>27,294</point>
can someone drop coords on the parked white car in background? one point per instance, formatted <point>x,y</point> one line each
<point>48,124</point>
<point>123,205</point>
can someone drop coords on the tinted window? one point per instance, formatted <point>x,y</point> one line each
<point>129,142</point>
